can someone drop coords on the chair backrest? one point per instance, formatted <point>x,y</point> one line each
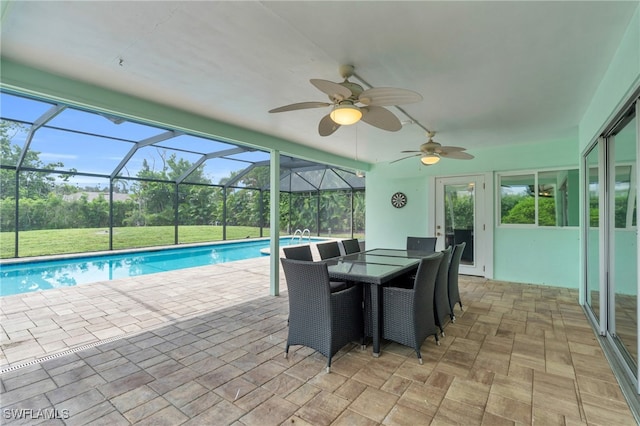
<point>441,297</point>
<point>328,250</point>
<point>351,246</point>
<point>454,265</point>
<point>298,253</point>
<point>308,287</point>
<point>427,244</point>
<point>424,287</point>
<point>443,270</point>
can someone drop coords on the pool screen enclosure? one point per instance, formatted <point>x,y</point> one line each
<point>129,184</point>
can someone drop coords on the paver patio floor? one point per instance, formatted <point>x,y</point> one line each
<point>205,346</point>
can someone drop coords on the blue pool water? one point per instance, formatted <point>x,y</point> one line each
<point>34,276</point>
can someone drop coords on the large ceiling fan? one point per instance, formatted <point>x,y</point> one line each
<point>431,152</point>
<point>351,103</point>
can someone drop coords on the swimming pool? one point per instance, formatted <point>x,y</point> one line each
<point>42,275</point>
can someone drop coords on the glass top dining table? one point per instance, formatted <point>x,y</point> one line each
<point>376,268</point>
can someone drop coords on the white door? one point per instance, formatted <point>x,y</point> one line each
<point>460,216</point>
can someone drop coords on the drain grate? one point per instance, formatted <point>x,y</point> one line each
<point>63,353</point>
<point>18,366</point>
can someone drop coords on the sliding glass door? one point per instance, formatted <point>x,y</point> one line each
<point>611,239</point>
<point>593,234</point>
<point>624,249</point>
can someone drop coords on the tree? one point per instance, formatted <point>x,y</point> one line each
<point>547,211</point>
<point>304,210</point>
<point>463,210</point>
<point>358,211</point>
<point>258,177</point>
<point>32,184</point>
<point>522,212</point>
<point>335,211</point>
<point>48,201</point>
<point>155,196</point>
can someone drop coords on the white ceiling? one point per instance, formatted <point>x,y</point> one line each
<point>491,73</point>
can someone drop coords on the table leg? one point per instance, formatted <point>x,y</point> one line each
<point>376,320</point>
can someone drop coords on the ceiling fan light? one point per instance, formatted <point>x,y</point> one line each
<point>346,114</point>
<point>430,159</point>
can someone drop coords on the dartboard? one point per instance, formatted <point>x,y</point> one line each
<point>398,200</point>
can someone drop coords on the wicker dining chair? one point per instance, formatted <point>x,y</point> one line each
<point>441,306</point>
<point>425,244</point>
<point>304,253</point>
<point>318,318</point>
<point>422,243</point>
<point>351,246</point>
<point>407,314</point>
<point>298,253</point>
<point>454,267</point>
<point>329,250</point>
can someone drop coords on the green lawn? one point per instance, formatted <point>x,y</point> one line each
<point>59,241</point>
<point>62,241</point>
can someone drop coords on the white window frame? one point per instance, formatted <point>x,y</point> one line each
<point>535,173</point>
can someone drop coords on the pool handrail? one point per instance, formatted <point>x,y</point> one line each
<point>300,234</point>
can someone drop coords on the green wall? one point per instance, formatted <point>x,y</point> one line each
<point>547,256</point>
<point>621,79</point>
<point>386,225</point>
<point>514,258</point>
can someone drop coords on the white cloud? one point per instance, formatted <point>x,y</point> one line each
<point>52,156</point>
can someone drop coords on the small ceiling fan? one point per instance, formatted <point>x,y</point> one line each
<point>431,152</point>
<point>351,103</point>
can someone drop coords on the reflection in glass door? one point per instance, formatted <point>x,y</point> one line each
<point>611,243</point>
<point>624,285</point>
<point>592,241</point>
<point>459,218</point>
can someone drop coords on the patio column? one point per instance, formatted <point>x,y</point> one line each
<point>274,227</point>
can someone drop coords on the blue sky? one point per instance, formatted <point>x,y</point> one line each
<point>83,151</point>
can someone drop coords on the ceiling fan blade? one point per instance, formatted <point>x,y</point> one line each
<point>334,90</point>
<point>381,118</point>
<point>327,126</point>
<point>386,96</point>
<point>403,158</point>
<point>411,151</point>
<point>301,105</point>
<point>458,155</point>
<point>450,149</point>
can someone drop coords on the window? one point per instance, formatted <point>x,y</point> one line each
<point>517,200</point>
<point>546,198</point>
